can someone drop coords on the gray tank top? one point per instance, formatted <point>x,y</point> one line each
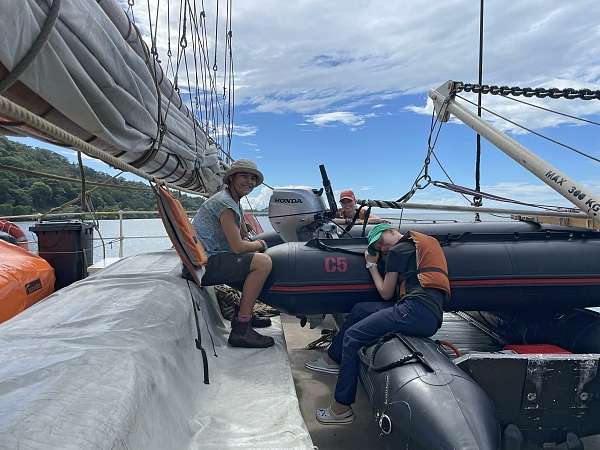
<point>208,225</point>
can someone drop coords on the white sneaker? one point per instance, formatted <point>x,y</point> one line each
<point>326,416</point>
<point>320,365</point>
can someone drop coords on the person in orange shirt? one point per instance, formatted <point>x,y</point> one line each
<point>348,210</point>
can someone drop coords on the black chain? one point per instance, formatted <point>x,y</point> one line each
<point>568,93</point>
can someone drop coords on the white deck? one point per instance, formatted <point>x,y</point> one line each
<point>110,362</point>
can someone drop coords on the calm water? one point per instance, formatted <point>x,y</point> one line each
<point>143,235</point>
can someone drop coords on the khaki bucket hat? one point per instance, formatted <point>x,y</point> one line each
<point>246,166</point>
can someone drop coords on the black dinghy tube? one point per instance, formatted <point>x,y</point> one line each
<point>550,270</point>
<point>422,401</point>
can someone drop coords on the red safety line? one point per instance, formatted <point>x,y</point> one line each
<point>323,288</point>
<point>455,283</point>
<point>527,281</point>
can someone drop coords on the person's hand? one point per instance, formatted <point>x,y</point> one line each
<point>371,258</point>
<point>264,245</point>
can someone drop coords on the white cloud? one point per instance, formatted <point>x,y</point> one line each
<point>332,118</point>
<point>303,57</point>
<point>366,188</point>
<point>244,130</point>
<point>378,105</point>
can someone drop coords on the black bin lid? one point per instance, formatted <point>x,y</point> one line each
<point>62,225</point>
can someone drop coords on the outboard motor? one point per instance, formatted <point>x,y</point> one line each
<point>299,214</point>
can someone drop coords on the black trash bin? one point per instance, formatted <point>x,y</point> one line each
<point>67,246</point>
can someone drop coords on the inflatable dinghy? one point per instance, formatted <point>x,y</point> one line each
<point>552,269</point>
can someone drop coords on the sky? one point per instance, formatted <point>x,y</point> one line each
<point>345,83</point>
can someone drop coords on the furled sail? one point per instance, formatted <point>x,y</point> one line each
<point>96,78</point>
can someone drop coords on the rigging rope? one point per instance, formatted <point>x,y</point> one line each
<point>532,131</point>
<point>39,43</point>
<point>70,180</point>
<point>581,119</point>
<point>214,112</point>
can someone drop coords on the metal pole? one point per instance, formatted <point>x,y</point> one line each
<point>81,171</point>
<point>578,194</point>
<point>477,201</point>
<point>481,209</point>
<point>121,234</point>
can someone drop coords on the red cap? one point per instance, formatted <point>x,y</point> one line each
<point>347,195</point>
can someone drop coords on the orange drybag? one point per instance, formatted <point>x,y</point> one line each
<point>25,279</point>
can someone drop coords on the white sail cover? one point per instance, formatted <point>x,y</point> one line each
<point>110,363</point>
<point>101,87</point>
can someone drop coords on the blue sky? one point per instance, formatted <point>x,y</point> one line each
<point>345,83</point>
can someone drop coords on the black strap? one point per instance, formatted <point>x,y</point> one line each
<point>199,338</point>
<point>432,269</point>
<point>317,243</point>
<point>354,219</point>
<point>366,221</point>
<point>414,355</point>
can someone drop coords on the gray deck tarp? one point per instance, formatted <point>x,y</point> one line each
<point>110,363</point>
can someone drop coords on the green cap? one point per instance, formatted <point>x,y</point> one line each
<point>375,234</point>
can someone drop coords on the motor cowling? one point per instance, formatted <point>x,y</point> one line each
<point>297,213</point>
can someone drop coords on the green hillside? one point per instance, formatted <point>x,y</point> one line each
<point>28,194</point>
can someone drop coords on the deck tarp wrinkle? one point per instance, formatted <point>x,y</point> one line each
<point>110,363</point>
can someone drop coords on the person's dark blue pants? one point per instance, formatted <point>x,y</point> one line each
<point>368,322</point>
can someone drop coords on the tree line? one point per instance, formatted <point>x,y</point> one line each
<point>22,194</point>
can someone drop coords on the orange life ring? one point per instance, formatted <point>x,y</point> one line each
<point>16,232</point>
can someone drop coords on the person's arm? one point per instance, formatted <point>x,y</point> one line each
<point>385,286</point>
<point>234,237</point>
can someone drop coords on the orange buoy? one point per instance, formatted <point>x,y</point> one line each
<point>16,232</point>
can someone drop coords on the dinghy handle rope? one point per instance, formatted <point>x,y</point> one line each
<point>35,48</point>
<point>414,355</point>
<point>199,338</point>
<point>317,243</point>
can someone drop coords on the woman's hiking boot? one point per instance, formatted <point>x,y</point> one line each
<point>243,335</point>
<point>256,321</point>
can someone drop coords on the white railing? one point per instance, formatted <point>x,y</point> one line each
<point>119,214</point>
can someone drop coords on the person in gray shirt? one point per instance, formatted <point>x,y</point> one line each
<point>232,258</point>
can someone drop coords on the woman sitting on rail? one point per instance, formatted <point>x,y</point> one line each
<point>232,258</point>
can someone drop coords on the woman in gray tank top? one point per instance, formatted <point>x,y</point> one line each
<point>232,258</point>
